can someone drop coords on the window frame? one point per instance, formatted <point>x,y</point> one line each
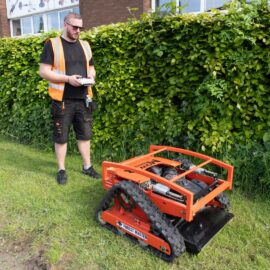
<point>45,21</point>
<point>202,5</point>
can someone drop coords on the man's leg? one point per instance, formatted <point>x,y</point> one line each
<point>60,152</point>
<point>84,149</point>
<point>83,129</point>
<point>62,116</point>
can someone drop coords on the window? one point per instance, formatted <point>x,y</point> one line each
<point>215,3</point>
<point>26,26</point>
<point>188,5</point>
<point>16,28</point>
<point>38,23</point>
<point>76,10</point>
<point>160,3</point>
<point>191,5</point>
<point>62,15</point>
<point>52,21</point>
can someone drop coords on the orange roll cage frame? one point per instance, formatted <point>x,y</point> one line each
<point>133,170</point>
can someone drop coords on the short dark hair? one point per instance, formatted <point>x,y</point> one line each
<point>72,15</point>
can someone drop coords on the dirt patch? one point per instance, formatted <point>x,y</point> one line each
<point>38,262</point>
<point>12,261</point>
<point>17,256</point>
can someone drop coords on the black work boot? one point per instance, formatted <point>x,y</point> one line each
<point>91,172</point>
<point>61,177</point>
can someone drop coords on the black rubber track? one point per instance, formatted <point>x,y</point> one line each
<point>160,225</point>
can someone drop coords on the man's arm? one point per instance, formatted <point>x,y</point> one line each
<point>46,72</point>
<point>92,72</point>
<point>46,62</point>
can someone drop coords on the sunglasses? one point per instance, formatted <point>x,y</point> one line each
<point>75,27</point>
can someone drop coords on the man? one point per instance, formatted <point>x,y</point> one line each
<point>63,62</point>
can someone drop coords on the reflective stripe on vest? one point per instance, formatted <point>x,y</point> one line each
<point>56,90</point>
<point>88,55</point>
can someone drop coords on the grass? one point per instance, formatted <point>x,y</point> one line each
<point>56,222</point>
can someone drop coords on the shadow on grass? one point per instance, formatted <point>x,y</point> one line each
<point>27,160</point>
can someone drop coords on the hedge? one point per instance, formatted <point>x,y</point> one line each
<point>189,80</point>
<point>197,81</point>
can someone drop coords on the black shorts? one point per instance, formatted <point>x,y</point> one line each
<point>71,112</point>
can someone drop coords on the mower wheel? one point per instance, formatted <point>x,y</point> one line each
<point>142,243</point>
<point>121,232</point>
<point>100,219</point>
<point>224,201</point>
<point>127,196</point>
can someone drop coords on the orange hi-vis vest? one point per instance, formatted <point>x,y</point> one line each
<point>56,90</point>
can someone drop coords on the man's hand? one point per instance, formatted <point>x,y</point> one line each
<point>74,80</point>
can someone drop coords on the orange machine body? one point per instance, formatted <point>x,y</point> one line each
<point>135,170</point>
<point>135,222</point>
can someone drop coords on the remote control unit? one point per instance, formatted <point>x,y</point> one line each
<point>87,81</point>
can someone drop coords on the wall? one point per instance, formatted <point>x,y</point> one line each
<point>94,13</point>
<point>101,12</point>
<point>4,24</point>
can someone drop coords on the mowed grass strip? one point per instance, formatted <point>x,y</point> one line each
<point>57,221</point>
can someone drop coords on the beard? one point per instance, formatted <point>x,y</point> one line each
<point>73,35</point>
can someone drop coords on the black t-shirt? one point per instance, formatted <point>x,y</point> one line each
<point>75,64</point>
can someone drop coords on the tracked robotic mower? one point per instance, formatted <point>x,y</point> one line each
<point>165,202</point>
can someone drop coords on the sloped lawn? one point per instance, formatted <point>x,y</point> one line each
<point>48,226</point>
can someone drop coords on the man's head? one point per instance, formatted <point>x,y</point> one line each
<point>72,26</point>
